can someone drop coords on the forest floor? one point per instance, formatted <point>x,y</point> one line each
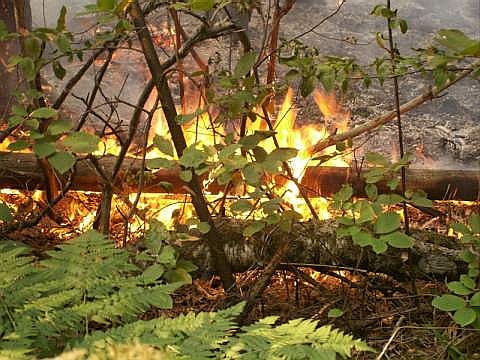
<point>376,307</point>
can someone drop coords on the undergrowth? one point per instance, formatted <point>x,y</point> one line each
<point>84,299</point>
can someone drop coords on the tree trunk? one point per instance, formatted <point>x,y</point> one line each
<point>17,17</point>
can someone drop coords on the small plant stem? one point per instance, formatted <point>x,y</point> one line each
<point>287,168</point>
<point>393,52</point>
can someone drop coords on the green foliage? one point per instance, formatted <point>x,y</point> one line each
<point>464,297</point>
<point>370,222</point>
<point>216,336</point>
<point>84,284</point>
<point>88,295</point>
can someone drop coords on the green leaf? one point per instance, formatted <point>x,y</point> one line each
<point>58,127</point>
<point>379,246</point>
<point>458,288</point>
<point>105,5</point>
<point>377,159</point>
<point>308,85</point>
<point>252,173</point>
<point>5,213</point>
<point>228,151</point>
<point>33,47</point>
<point>43,149</point>
<point>335,313</point>
<point>244,65</point>
<point>448,302</point>
<point>204,227</point>
<point>366,211</point>
<point>474,222</point>
<point>467,281</point>
<point>193,157</point>
<point>62,161</point>
<point>19,110</point>
<point>465,316</point>
<point>372,191</point>
<point>153,273</point>
<point>461,228</point>
<point>387,223</point>
<point>393,183</point>
<point>403,26</point>
<point>344,194</point>
<point>160,163</point>
<point>43,113</point>
<point>18,145</point>
<point>363,239</point>
<point>61,19</point>
<point>375,175</point>
<point>32,123</point>
<point>178,275</point>
<point>168,256</point>
<point>468,256</point>
<point>58,70</point>
<point>475,299</point>
<point>282,154</point>
<point>241,206</point>
<point>398,240</point>
<point>455,40</point>
<point>389,199</point>
<point>201,5</point>
<point>14,121</point>
<point>81,142</point>
<point>420,199</point>
<point>29,69</point>
<point>63,44</point>
<point>186,265</point>
<point>186,175</point>
<point>253,228</point>
<point>164,145</point>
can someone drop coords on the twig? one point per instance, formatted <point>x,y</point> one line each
<point>395,332</point>
<point>141,182</point>
<point>98,82</point>
<point>287,168</point>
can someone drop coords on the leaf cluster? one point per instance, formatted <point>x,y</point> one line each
<point>371,221</point>
<point>464,297</point>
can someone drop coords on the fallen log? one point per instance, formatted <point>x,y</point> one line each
<point>437,183</point>
<point>21,171</point>
<point>316,243</point>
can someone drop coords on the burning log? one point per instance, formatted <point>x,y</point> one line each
<point>21,171</point>
<point>437,183</point>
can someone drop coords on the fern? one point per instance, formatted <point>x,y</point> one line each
<point>84,283</point>
<point>52,305</point>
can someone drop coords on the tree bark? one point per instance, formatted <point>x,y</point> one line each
<point>17,17</point>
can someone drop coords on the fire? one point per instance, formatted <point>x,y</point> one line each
<point>304,137</point>
<point>172,210</point>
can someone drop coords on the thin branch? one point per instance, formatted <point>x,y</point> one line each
<point>375,123</point>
